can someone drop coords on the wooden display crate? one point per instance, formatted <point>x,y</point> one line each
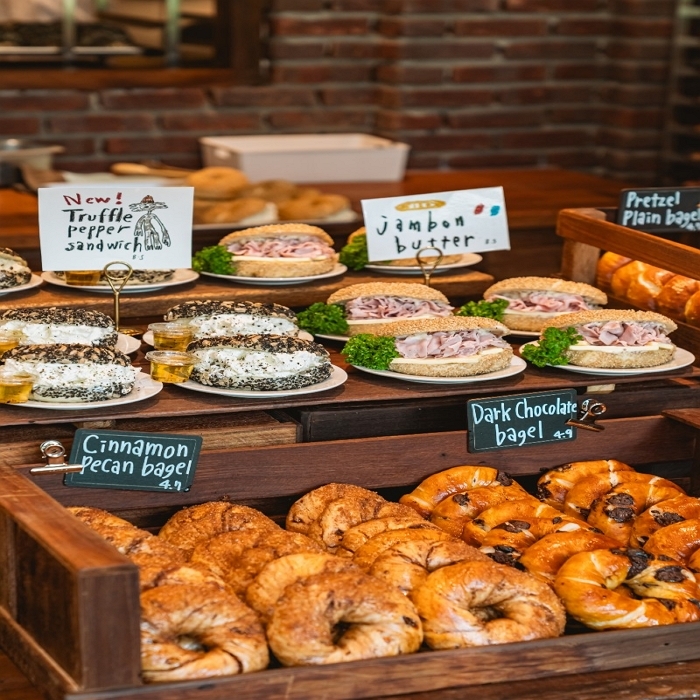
<point>587,232</point>
<point>69,612</point>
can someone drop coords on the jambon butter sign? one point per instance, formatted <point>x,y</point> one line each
<point>87,228</point>
<point>464,221</point>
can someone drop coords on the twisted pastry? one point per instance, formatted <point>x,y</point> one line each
<point>663,514</point>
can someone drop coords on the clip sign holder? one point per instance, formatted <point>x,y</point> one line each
<point>85,228</point>
<point>131,461</point>
<point>521,420</point>
<point>660,209</point>
<point>464,221</point>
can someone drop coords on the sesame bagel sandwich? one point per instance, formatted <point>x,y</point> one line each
<point>212,318</point>
<point>436,347</point>
<point>14,270</point>
<point>73,373</point>
<point>259,362</point>
<point>369,307</point>
<point>535,301</point>
<point>281,250</point>
<point>60,325</point>
<point>618,339</point>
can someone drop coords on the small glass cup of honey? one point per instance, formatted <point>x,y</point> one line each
<point>171,366</point>
<point>171,336</point>
<point>83,278</point>
<point>15,386</point>
<point>9,340</point>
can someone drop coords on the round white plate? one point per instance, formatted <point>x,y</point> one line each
<point>144,388</point>
<point>340,338</point>
<point>127,344</point>
<point>148,337</point>
<point>524,334</point>
<point>279,281</point>
<point>517,365</point>
<point>35,281</point>
<point>180,276</point>
<point>681,358</point>
<point>338,377</point>
<point>467,260</point>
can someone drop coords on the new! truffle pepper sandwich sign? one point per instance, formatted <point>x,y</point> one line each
<point>464,221</point>
<point>87,228</point>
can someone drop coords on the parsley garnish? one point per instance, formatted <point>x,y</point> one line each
<point>485,309</point>
<point>354,254</point>
<point>551,347</point>
<point>372,351</point>
<point>214,258</point>
<point>327,319</point>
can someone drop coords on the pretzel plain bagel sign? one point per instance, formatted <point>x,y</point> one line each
<point>85,228</point>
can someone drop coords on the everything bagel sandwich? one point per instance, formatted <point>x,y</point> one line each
<point>14,270</point>
<point>259,362</point>
<point>73,373</point>
<point>533,302</point>
<point>281,250</point>
<point>369,307</point>
<point>210,319</point>
<point>137,276</point>
<point>60,325</point>
<point>618,339</point>
<point>435,347</point>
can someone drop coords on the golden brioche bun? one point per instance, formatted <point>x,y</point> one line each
<point>547,284</point>
<point>409,290</point>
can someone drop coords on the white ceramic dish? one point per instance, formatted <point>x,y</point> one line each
<point>338,377</point>
<point>180,276</point>
<point>339,338</point>
<point>148,337</point>
<point>144,388</point>
<point>127,344</point>
<point>35,281</point>
<point>681,358</point>
<point>279,281</point>
<point>517,365</point>
<point>467,260</point>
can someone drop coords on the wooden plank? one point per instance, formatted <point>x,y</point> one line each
<point>384,462</point>
<point>434,671</point>
<point>76,596</point>
<point>579,262</point>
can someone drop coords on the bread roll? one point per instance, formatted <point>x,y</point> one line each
<point>607,264</point>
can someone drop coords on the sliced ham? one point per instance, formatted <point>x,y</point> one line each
<point>546,302</point>
<point>622,333</point>
<point>442,344</point>
<point>287,247</point>
<point>394,307</point>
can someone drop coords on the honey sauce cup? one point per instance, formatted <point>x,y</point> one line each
<point>171,336</point>
<point>15,385</point>
<point>171,366</point>
<point>83,278</point>
<point>10,339</point>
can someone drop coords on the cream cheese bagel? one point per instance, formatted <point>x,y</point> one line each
<point>374,306</point>
<point>533,302</point>
<point>60,325</point>
<point>259,362</point>
<point>14,270</point>
<point>72,373</point>
<point>281,250</point>
<point>210,318</point>
<point>619,339</point>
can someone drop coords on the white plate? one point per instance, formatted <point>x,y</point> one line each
<point>148,337</point>
<point>467,260</point>
<point>127,344</point>
<point>35,281</point>
<point>524,334</point>
<point>144,388</point>
<point>338,377</point>
<point>517,365</point>
<point>279,281</point>
<point>681,358</point>
<point>340,338</point>
<point>180,276</point>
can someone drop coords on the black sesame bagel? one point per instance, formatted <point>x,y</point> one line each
<point>14,270</point>
<point>259,362</point>
<point>74,373</point>
<point>211,318</point>
<point>137,276</point>
<point>54,324</point>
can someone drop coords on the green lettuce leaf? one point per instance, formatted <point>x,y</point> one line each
<point>372,351</point>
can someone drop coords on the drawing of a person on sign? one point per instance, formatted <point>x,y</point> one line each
<point>149,227</point>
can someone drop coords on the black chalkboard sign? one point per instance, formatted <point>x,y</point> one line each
<point>517,421</point>
<point>116,459</point>
<point>660,209</point>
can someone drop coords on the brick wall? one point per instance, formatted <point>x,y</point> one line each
<point>468,83</point>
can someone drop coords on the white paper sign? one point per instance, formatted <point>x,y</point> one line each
<point>85,228</point>
<point>464,221</point>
